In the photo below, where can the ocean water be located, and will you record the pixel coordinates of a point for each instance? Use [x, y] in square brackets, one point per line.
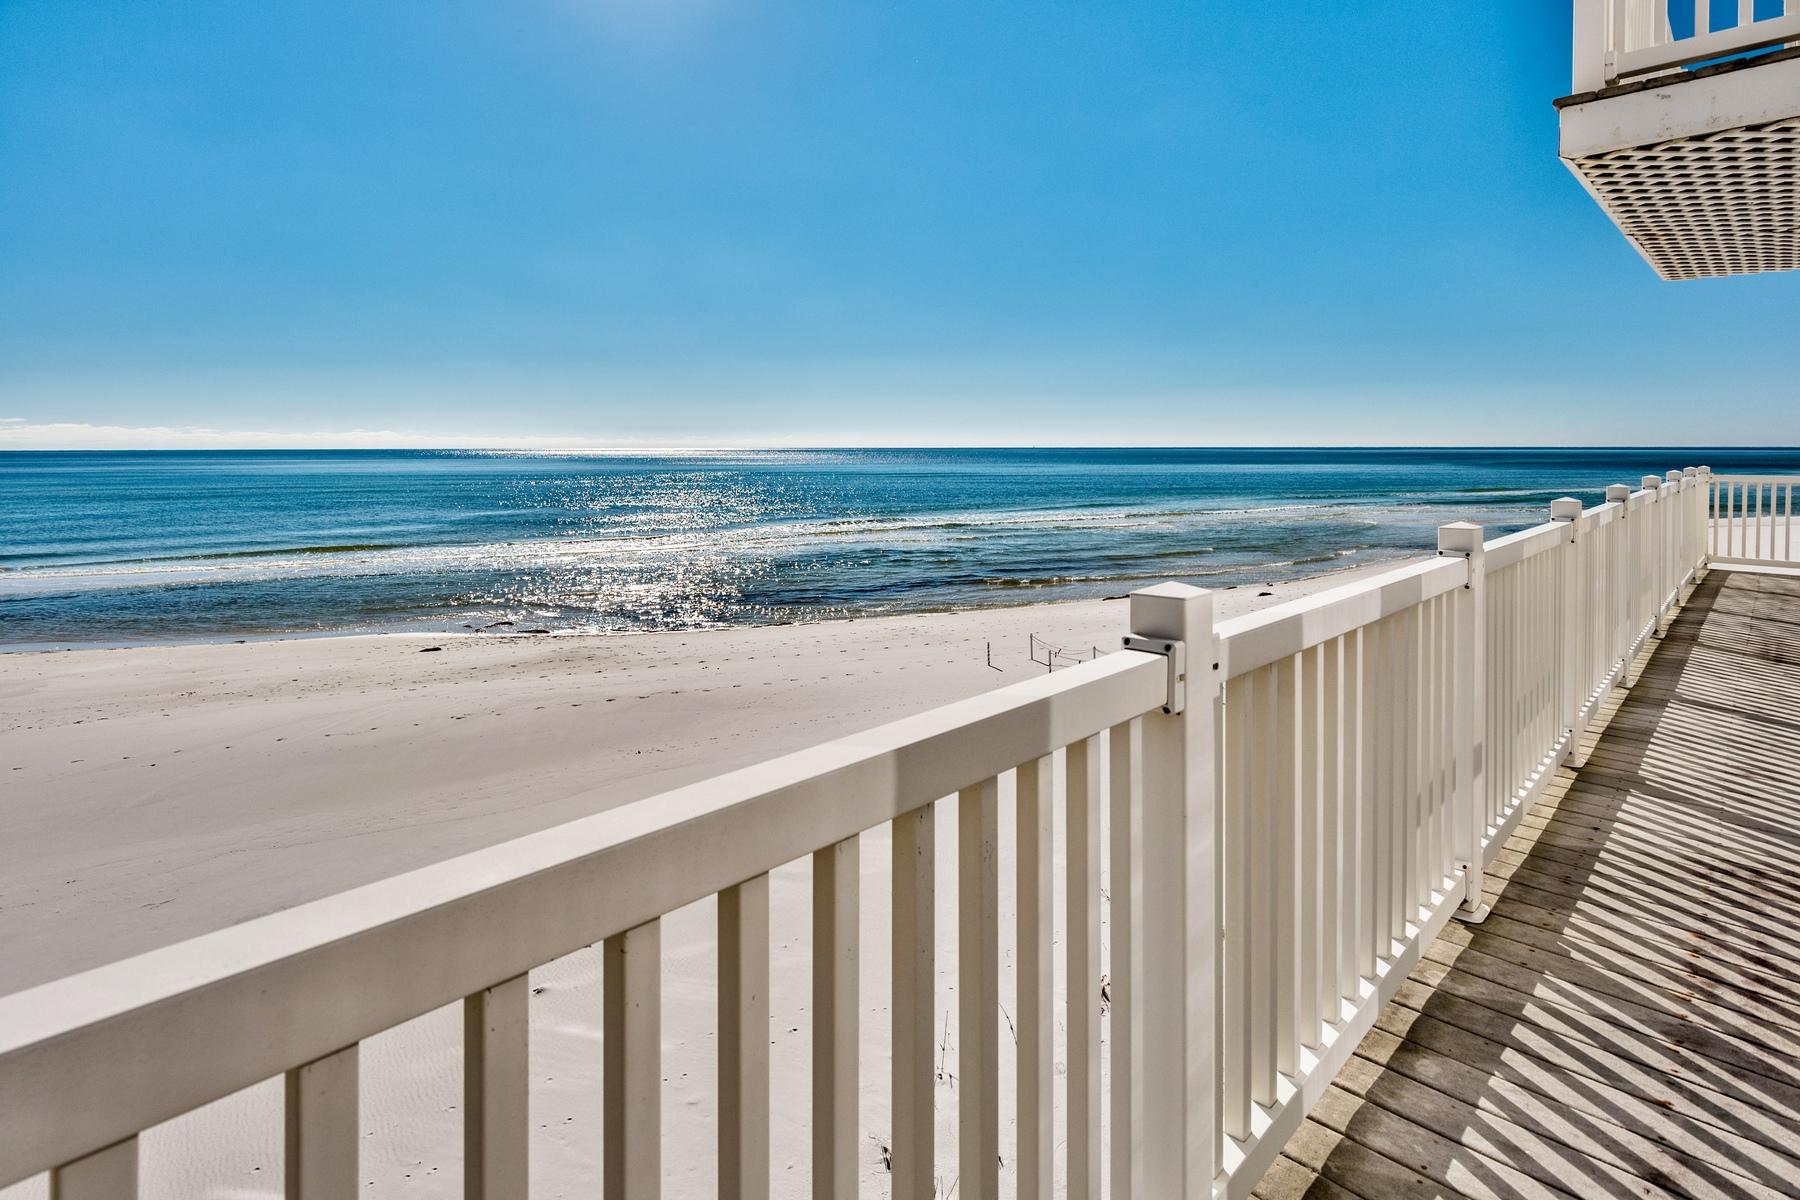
[124, 547]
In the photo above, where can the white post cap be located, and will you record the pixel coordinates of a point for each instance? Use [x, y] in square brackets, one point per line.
[1618, 493]
[1461, 537]
[1565, 508]
[1650, 482]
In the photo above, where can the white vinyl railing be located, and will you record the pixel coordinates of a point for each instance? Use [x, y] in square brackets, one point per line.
[1294, 802]
[1618, 40]
[1752, 520]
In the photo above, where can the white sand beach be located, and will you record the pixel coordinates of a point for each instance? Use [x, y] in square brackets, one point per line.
[156, 793]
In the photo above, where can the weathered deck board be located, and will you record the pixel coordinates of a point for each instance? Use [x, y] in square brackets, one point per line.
[1627, 1022]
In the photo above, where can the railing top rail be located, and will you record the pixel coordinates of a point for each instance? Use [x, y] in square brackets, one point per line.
[1503, 552]
[128, 1045]
[1719, 43]
[1784, 480]
[1260, 638]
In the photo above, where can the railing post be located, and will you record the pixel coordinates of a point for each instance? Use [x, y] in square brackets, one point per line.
[1655, 550]
[1705, 515]
[1593, 48]
[1693, 526]
[1468, 713]
[1181, 884]
[1574, 639]
[1626, 583]
[1675, 537]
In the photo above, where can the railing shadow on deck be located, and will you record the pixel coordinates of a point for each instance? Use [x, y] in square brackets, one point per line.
[1629, 1013]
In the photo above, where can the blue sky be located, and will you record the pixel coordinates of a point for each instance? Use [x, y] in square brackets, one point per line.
[701, 222]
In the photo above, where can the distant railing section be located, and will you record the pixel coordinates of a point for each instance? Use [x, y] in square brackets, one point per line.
[1752, 520]
[1619, 40]
[1293, 803]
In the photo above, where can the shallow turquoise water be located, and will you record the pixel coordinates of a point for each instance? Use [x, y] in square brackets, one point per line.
[120, 547]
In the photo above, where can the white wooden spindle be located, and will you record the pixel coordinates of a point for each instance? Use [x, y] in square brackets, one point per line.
[1368, 838]
[1354, 922]
[978, 966]
[109, 1174]
[1399, 720]
[1379, 661]
[1337, 905]
[1309, 700]
[744, 1040]
[1568, 510]
[915, 983]
[1033, 800]
[1240, 869]
[496, 1077]
[1265, 946]
[1284, 881]
[1756, 523]
[1083, 796]
[1125, 915]
[631, 1064]
[321, 1119]
[837, 876]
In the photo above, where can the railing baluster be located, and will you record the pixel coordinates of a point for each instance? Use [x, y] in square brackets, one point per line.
[1359, 787]
[1756, 518]
[1308, 843]
[1399, 801]
[915, 989]
[1264, 946]
[1788, 528]
[1741, 508]
[321, 1128]
[1332, 833]
[978, 950]
[1126, 930]
[1284, 794]
[109, 1174]
[1379, 662]
[837, 875]
[1429, 712]
[744, 1040]
[1240, 870]
[631, 1064]
[1083, 797]
[1033, 798]
[496, 1077]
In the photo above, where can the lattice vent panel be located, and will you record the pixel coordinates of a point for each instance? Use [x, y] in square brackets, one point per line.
[1723, 204]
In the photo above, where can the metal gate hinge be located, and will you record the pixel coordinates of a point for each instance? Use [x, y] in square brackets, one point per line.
[1176, 654]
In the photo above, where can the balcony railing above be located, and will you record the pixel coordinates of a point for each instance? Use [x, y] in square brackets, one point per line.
[1617, 41]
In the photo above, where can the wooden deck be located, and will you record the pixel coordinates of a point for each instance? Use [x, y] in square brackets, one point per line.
[1627, 1022]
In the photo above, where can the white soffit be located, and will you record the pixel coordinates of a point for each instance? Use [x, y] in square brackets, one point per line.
[1703, 175]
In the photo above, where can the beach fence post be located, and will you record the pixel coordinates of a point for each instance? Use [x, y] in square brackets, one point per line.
[1468, 711]
[1172, 991]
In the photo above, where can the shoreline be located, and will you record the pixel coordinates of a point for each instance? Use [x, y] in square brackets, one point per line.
[463, 629]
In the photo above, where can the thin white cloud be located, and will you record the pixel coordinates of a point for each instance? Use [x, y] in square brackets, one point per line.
[16, 433]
